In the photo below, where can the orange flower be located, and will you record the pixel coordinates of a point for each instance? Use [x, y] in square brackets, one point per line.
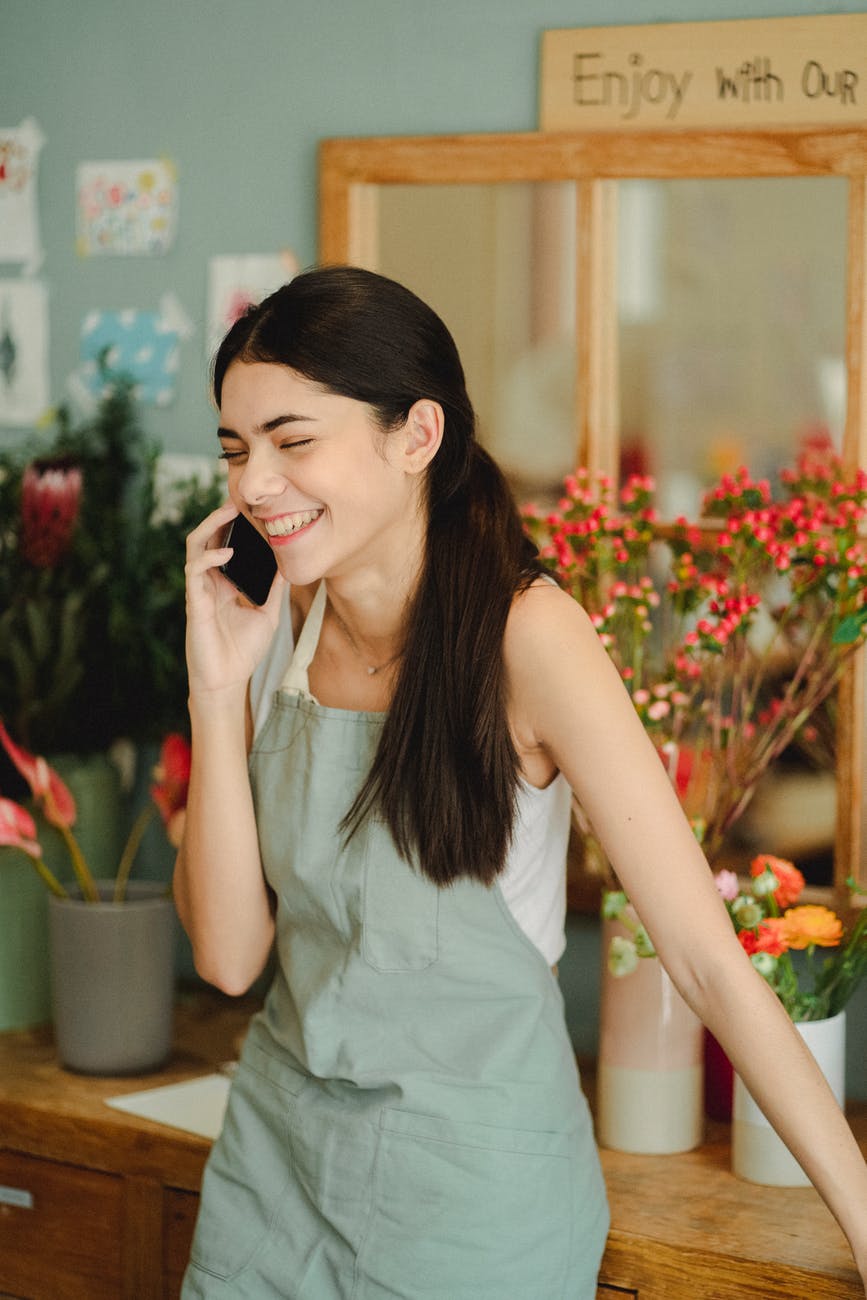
[808, 925]
[770, 938]
[791, 884]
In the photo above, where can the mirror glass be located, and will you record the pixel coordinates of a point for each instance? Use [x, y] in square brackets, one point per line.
[732, 337]
[732, 327]
[497, 263]
[731, 309]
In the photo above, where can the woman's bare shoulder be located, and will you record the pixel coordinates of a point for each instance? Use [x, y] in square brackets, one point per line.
[540, 618]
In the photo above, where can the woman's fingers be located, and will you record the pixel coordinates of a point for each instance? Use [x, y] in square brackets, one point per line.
[209, 533]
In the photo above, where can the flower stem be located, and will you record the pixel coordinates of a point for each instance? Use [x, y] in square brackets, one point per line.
[48, 877]
[130, 850]
[85, 880]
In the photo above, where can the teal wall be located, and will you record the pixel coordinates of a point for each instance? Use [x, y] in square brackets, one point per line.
[238, 96]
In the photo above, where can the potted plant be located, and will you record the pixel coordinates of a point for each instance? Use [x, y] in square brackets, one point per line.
[91, 637]
[112, 942]
[814, 965]
[91, 581]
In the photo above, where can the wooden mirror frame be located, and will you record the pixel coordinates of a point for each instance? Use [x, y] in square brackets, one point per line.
[350, 170]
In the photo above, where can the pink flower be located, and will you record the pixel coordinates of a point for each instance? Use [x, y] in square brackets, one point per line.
[50, 500]
[727, 885]
[18, 829]
[45, 785]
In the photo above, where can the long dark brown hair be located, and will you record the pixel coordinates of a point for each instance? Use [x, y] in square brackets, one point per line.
[445, 773]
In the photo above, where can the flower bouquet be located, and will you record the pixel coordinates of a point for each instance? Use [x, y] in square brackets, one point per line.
[783, 938]
[814, 966]
[729, 635]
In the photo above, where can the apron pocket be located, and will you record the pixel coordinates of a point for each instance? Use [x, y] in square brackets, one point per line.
[400, 910]
[469, 1211]
[246, 1176]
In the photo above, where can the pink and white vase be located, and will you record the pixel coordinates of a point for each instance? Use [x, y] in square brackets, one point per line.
[758, 1155]
[650, 1070]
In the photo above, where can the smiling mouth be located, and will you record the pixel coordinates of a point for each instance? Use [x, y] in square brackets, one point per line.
[286, 525]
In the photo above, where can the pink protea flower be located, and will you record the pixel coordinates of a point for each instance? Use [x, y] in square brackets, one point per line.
[50, 501]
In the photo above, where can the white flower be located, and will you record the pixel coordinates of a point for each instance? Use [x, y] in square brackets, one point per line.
[613, 903]
[764, 963]
[765, 884]
[747, 911]
[622, 956]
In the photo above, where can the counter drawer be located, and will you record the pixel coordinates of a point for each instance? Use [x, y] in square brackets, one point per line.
[60, 1230]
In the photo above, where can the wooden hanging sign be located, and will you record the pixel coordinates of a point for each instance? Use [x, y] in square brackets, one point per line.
[757, 73]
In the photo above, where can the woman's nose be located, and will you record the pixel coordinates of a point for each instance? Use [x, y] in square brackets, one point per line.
[260, 479]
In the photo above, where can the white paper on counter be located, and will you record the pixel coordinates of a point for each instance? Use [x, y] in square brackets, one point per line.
[197, 1105]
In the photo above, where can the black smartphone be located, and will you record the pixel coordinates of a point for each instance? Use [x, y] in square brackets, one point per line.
[252, 566]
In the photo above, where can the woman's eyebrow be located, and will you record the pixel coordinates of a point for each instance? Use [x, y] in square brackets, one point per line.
[270, 425]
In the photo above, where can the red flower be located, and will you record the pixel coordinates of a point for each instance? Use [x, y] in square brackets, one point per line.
[50, 499]
[58, 804]
[791, 884]
[770, 937]
[172, 780]
[18, 829]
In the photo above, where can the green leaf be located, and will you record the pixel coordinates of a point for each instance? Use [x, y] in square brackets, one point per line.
[849, 630]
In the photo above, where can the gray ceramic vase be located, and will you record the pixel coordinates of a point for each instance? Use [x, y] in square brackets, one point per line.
[113, 979]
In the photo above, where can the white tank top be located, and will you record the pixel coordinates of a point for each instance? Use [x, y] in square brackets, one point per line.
[533, 881]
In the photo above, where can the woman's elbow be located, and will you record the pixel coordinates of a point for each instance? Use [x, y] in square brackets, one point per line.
[234, 977]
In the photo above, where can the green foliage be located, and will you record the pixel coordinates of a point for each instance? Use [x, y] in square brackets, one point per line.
[91, 647]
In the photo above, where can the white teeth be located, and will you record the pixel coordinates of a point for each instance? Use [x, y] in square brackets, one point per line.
[287, 524]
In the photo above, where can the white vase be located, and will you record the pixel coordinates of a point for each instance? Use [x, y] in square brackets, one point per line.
[649, 1078]
[758, 1155]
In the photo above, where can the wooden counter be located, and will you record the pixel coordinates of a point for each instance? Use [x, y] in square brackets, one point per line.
[114, 1196]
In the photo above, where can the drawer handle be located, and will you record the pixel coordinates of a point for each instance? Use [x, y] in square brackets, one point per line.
[16, 1196]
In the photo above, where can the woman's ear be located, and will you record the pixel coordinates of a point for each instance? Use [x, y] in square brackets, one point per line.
[421, 434]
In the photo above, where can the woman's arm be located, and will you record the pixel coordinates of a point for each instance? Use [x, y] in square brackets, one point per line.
[219, 888]
[567, 695]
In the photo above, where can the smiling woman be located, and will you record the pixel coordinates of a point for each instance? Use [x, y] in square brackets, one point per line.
[383, 759]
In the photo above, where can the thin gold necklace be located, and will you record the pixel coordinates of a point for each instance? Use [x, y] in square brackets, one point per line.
[370, 669]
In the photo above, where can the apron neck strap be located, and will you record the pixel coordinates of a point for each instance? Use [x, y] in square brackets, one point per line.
[295, 680]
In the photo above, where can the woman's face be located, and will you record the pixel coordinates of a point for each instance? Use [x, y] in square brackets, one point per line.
[314, 473]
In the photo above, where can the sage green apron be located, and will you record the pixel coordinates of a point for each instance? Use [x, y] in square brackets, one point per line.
[406, 1121]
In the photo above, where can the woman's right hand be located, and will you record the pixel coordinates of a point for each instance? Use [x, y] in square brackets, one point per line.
[226, 635]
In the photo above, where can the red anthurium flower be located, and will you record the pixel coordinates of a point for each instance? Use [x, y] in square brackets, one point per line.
[50, 500]
[46, 786]
[18, 829]
[172, 777]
